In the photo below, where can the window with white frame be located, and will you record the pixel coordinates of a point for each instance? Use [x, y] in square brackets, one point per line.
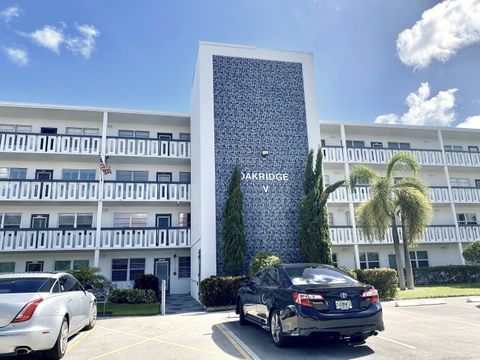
[65, 265]
[130, 219]
[127, 269]
[134, 134]
[75, 220]
[13, 173]
[334, 260]
[82, 131]
[355, 143]
[34, 266]
[459, 182]
[78, 174]
[10, 220]
[398, 145]
[16, 128]
[419, 259]
[467, 218]
[184, 266]
[130, 175]
[369, 260]
[453, 147]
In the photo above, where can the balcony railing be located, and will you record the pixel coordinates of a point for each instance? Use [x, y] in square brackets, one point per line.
[148, 147]
[462, 158]
[27, 239]
[49, 143]
[438, 194]
[63, 190]
[343, 235]
[469, 232]
[466, 194]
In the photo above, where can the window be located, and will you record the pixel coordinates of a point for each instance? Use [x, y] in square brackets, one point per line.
[185, 177]
[127, 269]
[323, 142]
[164, 176]
[16, 128]
[270, 278]
[477, 183]
[164, 136]
[369, 260]
[459, 182]
[330, 219]
[334, 260]
[69, 283]
[82, 131]
[75, 220]
[419, 259]
[398, 145]
[467, 219]
[376, 145]
[355, 143]
[184, 220]
[13, 173]
[10, 220]
[34, 266]
[308, 275]
[129, 175]
[453, 148]
[78, 174]
[473, 148]
[184, 264]
[258, 277]
[132, 133]
[7, 267]
[80, 264]
[184, 136]
[130, 220]
[65, 265]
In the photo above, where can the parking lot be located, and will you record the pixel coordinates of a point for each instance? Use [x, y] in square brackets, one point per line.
[450, 331]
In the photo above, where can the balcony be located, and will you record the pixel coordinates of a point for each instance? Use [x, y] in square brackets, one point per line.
[343, 235]
[148, 147]
[49, 143]
[63, 190]
[469, 232]
[462, 158]
[27, 239]
[470, 195]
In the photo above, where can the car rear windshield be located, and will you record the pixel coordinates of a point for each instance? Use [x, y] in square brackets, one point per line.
[318, 276]
[25, 285]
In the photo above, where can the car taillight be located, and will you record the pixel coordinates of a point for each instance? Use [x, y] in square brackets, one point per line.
[372, 294]
[27, 312]
[306, 299]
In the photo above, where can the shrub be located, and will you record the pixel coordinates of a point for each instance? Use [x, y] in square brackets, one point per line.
[450, 274]
[262, 260]
[132, 296]
[384, 280]
[471, 252]
[349, 272]
[220, 290]
[90, 275]
[147, 282]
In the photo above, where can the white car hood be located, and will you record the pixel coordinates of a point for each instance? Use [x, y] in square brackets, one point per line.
[11, 304]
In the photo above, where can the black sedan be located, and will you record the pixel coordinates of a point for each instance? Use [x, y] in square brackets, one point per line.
[309, 299]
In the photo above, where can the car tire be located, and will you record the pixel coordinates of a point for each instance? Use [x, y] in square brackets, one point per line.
[241, 314]
[276, 332]
[60, 348]
[92, 318]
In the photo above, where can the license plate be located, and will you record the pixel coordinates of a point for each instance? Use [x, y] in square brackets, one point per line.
[343, 304]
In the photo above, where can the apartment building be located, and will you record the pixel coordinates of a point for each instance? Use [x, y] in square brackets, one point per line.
[136, 192]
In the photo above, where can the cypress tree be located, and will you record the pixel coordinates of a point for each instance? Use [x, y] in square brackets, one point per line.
[234, 245]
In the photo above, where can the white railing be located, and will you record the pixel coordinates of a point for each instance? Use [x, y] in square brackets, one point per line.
[381, 156]
[49, 143]
[362, 193]
[333, 154]
[139, 238]
[439, 194]
[343, 235]
[466, 195]
[148, 147]
[463, 158]
[59, 190]
[81, 239]
[469, 232]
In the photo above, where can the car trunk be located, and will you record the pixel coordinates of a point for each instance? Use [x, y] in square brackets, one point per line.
[11, 304]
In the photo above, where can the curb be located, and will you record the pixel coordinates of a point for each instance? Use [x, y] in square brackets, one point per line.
[473, 299]
[425, 302]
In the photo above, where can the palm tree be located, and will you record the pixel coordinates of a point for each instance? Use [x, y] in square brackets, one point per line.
[407, 198]
[90, 275]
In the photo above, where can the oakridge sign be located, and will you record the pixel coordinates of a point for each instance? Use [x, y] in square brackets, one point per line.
[264, 176]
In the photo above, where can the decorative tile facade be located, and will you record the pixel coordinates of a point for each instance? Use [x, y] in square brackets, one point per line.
[259, 104]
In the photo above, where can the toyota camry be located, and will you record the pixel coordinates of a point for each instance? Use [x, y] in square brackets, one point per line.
[309, 299]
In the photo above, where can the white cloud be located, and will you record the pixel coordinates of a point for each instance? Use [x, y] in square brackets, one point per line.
[441, 32]
[10, 13]
[472, 122]
[16, 55]
[425, 110]
[84, 44]
[49, 37]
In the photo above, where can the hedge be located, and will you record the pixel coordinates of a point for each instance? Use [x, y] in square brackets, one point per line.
[261, 260]
[384, 280]
[450, 274]
[132, 296]
[147, 282]
[220, 290]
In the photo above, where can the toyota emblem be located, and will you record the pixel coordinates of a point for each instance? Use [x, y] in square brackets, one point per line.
[343, 295]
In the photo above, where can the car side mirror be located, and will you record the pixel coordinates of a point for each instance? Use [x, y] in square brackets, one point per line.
[88, 287]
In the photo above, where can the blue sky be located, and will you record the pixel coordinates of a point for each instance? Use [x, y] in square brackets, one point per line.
[397, 61]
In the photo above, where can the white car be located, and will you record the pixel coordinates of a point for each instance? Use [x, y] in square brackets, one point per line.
[40, 311]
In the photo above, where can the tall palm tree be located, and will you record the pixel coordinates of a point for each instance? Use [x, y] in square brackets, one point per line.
[407, 198]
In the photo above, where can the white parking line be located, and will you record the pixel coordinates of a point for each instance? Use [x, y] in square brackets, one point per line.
[249, 351]
[396, 342]
[441, 318]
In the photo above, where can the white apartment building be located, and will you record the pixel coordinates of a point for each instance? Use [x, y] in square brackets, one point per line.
[159, 211]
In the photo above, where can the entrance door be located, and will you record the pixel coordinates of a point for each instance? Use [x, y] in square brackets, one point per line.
[39, 222]
[164, 145]
[44, 188]
[162, 271]
[163, 223]
[48, 130]
[47, 143]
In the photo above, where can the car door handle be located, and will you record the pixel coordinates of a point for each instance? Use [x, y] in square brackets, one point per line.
[69, 299]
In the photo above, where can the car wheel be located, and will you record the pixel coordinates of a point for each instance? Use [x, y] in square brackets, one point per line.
[276, 331]
[241, 313]
[92, 317]
[58, 351]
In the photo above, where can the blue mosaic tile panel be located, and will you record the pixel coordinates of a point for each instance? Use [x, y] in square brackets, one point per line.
[259, 104]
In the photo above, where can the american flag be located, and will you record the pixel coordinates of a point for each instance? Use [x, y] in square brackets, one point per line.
[103, 166]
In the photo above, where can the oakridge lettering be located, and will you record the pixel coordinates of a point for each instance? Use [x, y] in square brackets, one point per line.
[261, 176]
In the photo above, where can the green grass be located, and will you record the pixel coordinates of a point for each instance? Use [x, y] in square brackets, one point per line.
[129, 309]
[433, 291]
